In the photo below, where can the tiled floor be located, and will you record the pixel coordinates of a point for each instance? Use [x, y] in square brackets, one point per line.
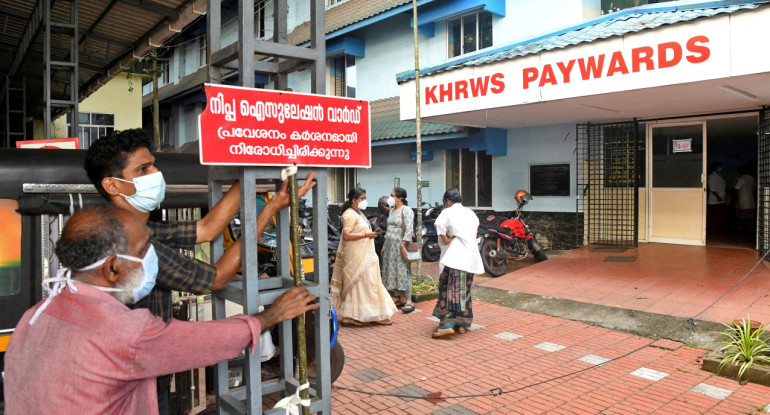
[667, 279]
[516, 351]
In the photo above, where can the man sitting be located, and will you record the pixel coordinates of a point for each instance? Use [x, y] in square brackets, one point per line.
[81, 350]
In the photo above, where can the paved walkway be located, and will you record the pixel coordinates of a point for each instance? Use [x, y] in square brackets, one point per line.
[511, 349]
[674, 280]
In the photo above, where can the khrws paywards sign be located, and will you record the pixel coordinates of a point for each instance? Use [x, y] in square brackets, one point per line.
[246, 126]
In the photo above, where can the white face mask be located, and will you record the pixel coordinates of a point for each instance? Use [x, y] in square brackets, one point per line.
[150, 191]
[362, 205]
[391, 201]
[134, 287]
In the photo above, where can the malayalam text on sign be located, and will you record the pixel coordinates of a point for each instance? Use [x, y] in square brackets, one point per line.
[246, 126]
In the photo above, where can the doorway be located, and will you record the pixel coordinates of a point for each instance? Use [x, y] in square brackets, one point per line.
[676, 188]
[732, 142]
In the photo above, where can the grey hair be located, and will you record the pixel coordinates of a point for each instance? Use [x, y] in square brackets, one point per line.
[90, 235]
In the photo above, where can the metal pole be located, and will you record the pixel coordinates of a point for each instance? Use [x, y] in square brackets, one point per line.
[155, 104]
[418, 141]
[297, 263]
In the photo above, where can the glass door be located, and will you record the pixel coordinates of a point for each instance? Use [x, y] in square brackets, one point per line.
[676, 209]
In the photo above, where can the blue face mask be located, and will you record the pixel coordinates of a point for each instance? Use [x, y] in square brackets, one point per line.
[150, 191]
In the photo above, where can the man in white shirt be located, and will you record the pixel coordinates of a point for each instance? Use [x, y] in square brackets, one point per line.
[460, 260]
[717, 199]
[746, 209]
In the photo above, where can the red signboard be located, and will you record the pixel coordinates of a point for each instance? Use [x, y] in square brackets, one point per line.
[56, 143]
[245, 126]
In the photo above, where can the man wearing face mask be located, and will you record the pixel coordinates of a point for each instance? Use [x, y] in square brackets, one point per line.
[122, 168]
[81, 350]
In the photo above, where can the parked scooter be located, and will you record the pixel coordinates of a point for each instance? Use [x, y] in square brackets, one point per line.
[430, 249]
[511, 240]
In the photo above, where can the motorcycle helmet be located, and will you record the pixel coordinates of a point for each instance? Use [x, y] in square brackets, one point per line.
[382, 205]
[522, 197]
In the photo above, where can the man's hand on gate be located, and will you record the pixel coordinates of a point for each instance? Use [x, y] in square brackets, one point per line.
[291, 304]
[281, 198]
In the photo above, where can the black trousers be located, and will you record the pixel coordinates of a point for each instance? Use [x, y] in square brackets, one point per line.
[164, 394]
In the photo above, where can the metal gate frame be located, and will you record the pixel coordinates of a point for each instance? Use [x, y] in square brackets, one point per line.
[607, 184]
[763, 150]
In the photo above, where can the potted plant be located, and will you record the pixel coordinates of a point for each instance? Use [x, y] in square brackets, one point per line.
[744, 346]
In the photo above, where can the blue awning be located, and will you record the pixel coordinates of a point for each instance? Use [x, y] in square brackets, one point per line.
[493, 141]
[427, 19]
[348, 45]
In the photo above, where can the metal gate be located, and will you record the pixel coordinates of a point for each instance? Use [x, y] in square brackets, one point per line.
[607, 184]
[763, 140]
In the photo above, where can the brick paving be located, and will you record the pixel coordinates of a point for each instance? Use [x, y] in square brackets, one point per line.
[512, 350]
[674, 280]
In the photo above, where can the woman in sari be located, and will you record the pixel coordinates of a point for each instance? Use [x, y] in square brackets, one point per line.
[356, 288]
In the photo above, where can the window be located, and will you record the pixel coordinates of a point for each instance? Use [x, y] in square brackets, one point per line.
[342, 73]
[609, 6]
[165, 73]
[471, 173]
[91, 126]
[165, 133]
[341, 181]
[259, 18]
[469, 33]
[203, 54]
[330, 3]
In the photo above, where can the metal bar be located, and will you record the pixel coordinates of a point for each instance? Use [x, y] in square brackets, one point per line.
[321, 270]
[318, 43]
[280, 36]
[89, 188]
[230, 402]
[250, 272]
[214, 37]
[218, 306]
[246, 43]
[47, 71]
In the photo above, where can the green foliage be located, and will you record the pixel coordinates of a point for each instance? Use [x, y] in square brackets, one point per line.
[744, 346]
[427, 285]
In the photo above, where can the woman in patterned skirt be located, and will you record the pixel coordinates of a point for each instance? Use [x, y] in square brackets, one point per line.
[395, 270]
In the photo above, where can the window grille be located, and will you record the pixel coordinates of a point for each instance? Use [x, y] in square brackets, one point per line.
[607, 184]
[763, 139]
[469, 33]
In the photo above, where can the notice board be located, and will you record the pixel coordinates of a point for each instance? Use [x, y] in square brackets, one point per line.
[248, 126]
[549, 179]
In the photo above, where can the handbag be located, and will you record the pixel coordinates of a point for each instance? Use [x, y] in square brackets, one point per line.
[412, 248]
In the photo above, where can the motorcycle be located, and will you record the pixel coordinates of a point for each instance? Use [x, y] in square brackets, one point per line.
[430, 249]
[510, 240]
[380, 221]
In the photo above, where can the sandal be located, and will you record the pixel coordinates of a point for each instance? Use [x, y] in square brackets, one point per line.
[385, 322]
[442, 332]
[350, 322]
[399, 303]
[460, 329]
[407, 308]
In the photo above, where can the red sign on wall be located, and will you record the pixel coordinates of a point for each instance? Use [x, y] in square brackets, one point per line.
[245, 126]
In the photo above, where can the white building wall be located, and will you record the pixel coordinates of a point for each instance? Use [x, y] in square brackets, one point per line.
[533, 145]
[396, 162]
